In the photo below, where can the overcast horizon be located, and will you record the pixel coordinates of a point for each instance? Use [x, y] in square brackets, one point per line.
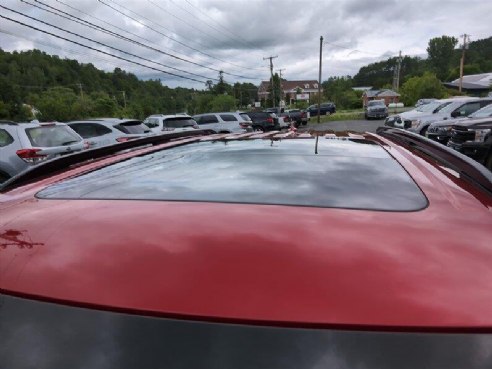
[205, 36]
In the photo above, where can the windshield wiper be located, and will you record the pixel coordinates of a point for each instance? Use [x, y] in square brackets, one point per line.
[69, 142]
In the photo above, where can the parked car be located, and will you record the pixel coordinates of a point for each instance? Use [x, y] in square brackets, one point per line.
[299, 116]
[262, 121]
[358, 251]
[405, 119]
[459, 107]
[23, 145]
[161, 123]
[224, 122]
[441, 131]
[325, 109]
[421, 102]
[376, 109]
[474, 139]
[108, 131]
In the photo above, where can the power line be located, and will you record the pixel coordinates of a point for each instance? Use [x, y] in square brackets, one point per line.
[236, 37]
[63, 48]
[157, 31]
[105, 45]
[99, 51]
[349, 48]
[102, 29]
[178, 18]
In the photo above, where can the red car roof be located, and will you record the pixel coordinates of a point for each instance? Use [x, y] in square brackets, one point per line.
[269, 264]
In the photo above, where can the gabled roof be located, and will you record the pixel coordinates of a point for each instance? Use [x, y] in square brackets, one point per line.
[381, 93]
[481, 81]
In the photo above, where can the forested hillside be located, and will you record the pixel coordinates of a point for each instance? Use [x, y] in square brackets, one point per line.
[65, 89]
[443, 60]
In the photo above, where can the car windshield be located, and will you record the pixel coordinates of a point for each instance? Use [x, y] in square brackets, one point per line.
[343, 174]
[179, 122]
[482, 113]
[132, 127]
[376, 103]
[429, 107]
[52, 135]
[450, 107]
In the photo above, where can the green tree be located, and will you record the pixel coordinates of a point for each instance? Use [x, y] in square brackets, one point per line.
[427, 86]
[222, 103]
[440, 55]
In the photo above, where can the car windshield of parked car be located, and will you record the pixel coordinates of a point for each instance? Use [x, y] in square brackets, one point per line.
[51, 136]
[482, 113]
[450, 107]
[376, 103]
[429, 107]
[132, 127]
[179, 122]
[355, 174]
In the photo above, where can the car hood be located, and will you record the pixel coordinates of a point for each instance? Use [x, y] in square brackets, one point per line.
[448, 122]
[266, 264]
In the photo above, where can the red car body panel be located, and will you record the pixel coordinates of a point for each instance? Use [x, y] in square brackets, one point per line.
[270, 264]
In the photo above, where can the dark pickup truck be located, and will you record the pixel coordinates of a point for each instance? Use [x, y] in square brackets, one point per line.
[263, 121]
[474, 139]
[298, 116]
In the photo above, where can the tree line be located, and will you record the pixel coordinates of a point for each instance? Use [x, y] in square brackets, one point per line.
[64, 89]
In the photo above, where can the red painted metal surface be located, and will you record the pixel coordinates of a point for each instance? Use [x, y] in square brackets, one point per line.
[257, 263]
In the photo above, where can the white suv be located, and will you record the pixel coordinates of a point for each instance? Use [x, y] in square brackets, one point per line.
[224, 122]
[160, 123]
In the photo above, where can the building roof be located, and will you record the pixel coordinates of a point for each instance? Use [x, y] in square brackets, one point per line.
[481, 81]
[381, 93]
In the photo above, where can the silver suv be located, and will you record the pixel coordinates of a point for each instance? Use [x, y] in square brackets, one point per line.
[224, 122]
[25, 144]
[109, 131]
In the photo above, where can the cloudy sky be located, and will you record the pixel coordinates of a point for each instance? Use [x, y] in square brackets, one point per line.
[197, 38]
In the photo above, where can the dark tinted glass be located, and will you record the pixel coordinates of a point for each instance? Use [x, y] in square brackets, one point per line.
[228, 118]
[48, 336]
[51, 136]
[179, 122]
[345, 174]
[88, 130]
[5, 138]
[132, 127]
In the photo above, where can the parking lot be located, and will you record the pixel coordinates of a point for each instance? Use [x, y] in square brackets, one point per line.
[346, 125]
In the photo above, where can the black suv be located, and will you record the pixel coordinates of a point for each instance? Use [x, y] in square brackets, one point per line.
[263, 121]
[324, 109]
[474, 139]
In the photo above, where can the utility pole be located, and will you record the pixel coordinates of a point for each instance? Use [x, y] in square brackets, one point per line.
[81, 91]
[319, 79]
[281, 89]
[466, 39]
[397, 72]
[271, 74]
[124, 98]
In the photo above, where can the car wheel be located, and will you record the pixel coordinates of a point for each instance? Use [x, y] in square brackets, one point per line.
[423, 131]
[258, 129]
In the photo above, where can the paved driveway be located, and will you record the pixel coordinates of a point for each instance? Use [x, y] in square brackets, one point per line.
[346, 125]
